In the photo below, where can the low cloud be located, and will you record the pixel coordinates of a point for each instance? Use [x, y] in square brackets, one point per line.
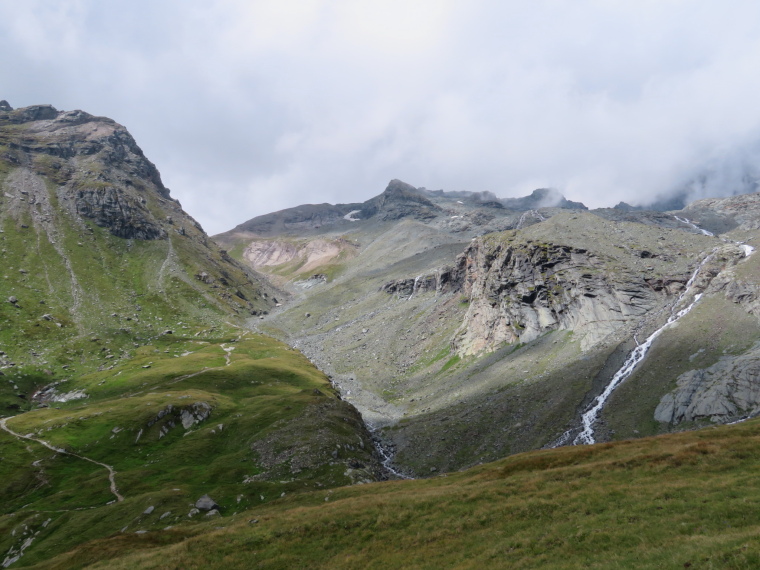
[248, 107]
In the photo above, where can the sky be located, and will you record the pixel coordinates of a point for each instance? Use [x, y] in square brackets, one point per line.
[252, 106]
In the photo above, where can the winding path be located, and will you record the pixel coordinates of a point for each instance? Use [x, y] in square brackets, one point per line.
[111, 471]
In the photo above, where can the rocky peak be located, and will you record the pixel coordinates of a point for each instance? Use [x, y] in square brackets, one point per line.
[400, 200]
[542, 198]
[5, 106]
[100, 172]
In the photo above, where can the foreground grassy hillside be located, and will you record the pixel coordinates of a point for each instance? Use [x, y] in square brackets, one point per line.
[686, 500]
[242, 418]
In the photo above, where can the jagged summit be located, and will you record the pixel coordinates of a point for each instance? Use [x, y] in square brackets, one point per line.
[5, 106]
[543, 198]
[464, 209]
[400, 200]
[100, 171]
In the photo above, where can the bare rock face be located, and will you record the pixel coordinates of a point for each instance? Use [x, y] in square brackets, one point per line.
[729, 389]
[519, 292]
[124, 216]
[400, 200]
[100, 171]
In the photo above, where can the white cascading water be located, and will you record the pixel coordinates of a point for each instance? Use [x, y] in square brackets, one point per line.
[385, 453]
[693, 225]
[588, 419]
[414, 287]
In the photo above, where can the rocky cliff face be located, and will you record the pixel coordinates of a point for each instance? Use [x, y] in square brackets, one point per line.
[521, 289]
[100, 171]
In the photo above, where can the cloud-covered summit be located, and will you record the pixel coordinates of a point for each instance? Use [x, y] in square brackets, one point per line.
[251, 107]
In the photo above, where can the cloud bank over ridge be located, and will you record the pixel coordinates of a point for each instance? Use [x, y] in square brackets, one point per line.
[249, 107]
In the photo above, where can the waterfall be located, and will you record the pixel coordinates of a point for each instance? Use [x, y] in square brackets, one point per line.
[589, 418]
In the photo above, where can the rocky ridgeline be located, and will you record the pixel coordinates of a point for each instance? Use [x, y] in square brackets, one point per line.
[99, 170]
[455, 211]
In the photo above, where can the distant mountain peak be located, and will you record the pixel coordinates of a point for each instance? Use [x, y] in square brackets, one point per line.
[399, 200]
[542, 198]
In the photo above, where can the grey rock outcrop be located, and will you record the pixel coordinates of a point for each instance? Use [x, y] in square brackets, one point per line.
[188, 416]
[122, 214]
[206, 503]
[442, 281]
[198, 412]
[727, 390]
[400, 200]
[518, 292]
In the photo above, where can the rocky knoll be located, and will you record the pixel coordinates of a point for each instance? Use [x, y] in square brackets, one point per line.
[724, 214]
[542, 198]
[400, 200]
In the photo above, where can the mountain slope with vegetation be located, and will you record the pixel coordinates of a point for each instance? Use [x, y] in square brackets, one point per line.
[677, 501]
[129, 388]
[149, 418]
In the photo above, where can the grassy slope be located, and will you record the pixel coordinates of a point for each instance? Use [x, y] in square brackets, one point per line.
[276, 426]
[674, 501]
[91, 285]
[273, 415]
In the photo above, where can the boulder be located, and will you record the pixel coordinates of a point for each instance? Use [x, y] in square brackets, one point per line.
[206, 503]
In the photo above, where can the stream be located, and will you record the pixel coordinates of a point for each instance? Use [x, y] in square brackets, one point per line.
[590, 417]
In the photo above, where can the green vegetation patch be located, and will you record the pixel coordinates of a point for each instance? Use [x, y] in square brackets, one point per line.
[686, 500]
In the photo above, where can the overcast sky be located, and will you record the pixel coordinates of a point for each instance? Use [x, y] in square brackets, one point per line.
[250, 106]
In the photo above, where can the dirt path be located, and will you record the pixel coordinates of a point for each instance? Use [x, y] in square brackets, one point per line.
[111, 471]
